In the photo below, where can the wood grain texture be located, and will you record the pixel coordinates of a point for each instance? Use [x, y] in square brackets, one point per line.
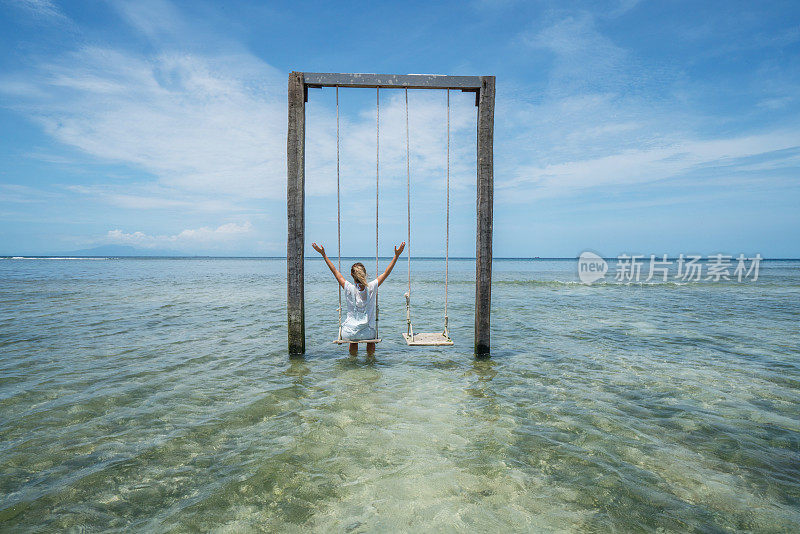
[408, 81]
[485, 201]
[295, 212]
[432, 339]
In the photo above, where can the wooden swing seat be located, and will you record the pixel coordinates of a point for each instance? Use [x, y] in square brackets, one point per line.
[347, 341]
[432, 339]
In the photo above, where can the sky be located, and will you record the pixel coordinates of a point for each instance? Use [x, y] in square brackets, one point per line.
[621, 127]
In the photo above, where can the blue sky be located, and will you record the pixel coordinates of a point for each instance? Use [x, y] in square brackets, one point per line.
[621, 127]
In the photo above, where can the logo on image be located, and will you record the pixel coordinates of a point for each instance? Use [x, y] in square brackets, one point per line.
[591, 267]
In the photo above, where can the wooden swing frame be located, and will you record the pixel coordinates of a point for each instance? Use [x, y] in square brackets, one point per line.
[299, 83]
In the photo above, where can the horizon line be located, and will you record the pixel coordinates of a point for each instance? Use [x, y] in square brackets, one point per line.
[201, 256]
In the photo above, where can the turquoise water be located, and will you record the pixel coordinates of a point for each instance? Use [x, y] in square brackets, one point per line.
[157, 395]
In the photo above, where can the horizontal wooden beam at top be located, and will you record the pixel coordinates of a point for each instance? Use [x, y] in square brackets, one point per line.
[388, 81]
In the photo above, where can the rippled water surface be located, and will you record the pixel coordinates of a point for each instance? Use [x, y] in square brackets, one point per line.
[157, 395]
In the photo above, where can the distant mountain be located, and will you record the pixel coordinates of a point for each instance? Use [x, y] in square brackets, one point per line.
[120, 250]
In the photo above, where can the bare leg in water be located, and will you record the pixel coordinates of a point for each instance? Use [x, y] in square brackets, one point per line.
[371, 349]
[353, 349]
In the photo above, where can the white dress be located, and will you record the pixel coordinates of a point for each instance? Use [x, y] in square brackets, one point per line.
[360, 321]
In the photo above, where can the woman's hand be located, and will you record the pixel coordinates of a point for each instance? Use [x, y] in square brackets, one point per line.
[397, 252]
[329, 263]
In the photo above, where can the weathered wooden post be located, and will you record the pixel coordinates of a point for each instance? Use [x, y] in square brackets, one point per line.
[295, 212]
[483, 248]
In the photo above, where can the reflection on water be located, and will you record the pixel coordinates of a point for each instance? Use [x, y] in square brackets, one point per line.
[157, 395]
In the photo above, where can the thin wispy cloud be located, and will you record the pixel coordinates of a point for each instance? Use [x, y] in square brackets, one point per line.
[221, 236]
[651, 165]
[427, 120]
[214, 125]
[149, 196]
[159, 20]
[607, 120]
[583, 58]
[44, 10]
[22, 194]
[194, 123]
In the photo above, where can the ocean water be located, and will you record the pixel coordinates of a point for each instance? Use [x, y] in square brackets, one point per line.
[157, 395]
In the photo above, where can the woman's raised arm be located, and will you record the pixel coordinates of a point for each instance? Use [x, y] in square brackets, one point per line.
[397, 252]
[336, 273]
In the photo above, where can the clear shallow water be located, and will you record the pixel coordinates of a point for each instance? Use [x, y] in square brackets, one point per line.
[157, 395]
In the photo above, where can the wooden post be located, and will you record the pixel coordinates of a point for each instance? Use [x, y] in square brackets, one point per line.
[295, 212]
[483, 249]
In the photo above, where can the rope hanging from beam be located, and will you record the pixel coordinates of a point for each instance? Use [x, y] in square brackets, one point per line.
[339, 339]
[409, 329]
[447, 235]
[432, 338]
[377, 177]
[338, 215]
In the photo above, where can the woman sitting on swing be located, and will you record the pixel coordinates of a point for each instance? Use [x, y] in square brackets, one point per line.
[360, 297]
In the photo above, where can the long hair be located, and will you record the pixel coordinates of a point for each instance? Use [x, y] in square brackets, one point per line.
[359, 273]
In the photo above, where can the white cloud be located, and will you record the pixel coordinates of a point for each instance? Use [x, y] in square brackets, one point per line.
[584, 60]
[201, 124]
[157, 19]
[592, 106]
[605, 120]
[652, 164]
[152, 196]
[215, 126]
[226, 234]
[427, 137]
[22, 194]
